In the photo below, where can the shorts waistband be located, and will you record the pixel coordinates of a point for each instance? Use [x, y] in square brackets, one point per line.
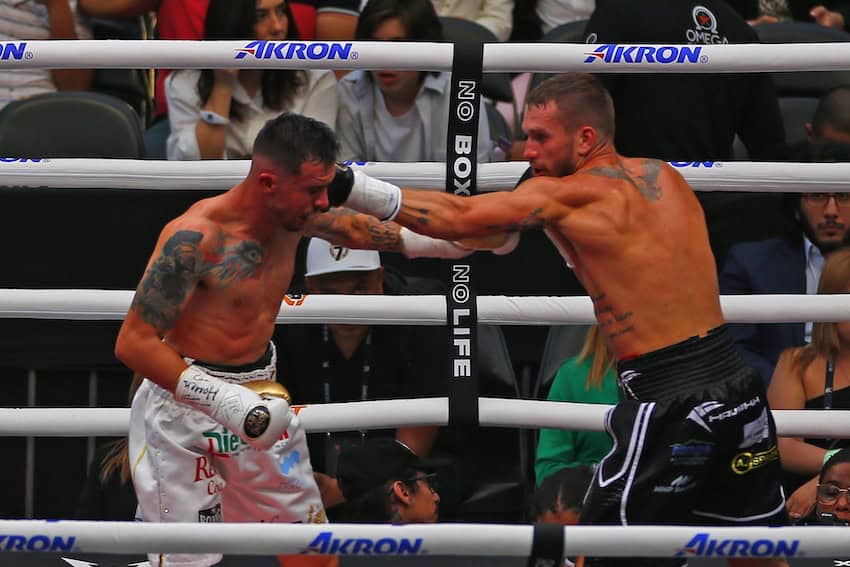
[694, 363]
[264, 368]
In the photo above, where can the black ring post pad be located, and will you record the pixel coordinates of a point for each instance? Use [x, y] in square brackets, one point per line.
[547, 546]
[463, 389]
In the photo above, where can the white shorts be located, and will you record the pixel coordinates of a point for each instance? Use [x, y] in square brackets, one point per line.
[188, 468]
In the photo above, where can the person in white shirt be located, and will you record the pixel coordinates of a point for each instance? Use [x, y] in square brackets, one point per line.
[553, 13]
[216, 114]
[495, 15]
[39, 20]
[399, 116]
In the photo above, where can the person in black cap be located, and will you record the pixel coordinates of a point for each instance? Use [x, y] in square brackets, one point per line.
[382, 480]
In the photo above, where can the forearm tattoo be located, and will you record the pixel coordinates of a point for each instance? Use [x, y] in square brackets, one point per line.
[422, 217]
[181, 264]
[384, 236]
[355, 230]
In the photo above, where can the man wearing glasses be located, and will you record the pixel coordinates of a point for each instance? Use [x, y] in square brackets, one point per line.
[383, 481]
[818, 223]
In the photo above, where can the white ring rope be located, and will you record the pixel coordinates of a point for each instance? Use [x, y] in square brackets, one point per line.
[101, 304]
[417, 539]
[498, 57]
[390, 414]
[223, 174]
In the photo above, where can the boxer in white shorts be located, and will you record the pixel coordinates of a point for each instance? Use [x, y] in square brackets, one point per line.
[189, 468]
[211, 291]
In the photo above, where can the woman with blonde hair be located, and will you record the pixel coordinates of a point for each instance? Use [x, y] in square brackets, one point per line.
[586, 378]
[814, 376]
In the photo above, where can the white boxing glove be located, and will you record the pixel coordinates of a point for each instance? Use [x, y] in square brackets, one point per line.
[364, 194]
[259, 421]
[415, 245]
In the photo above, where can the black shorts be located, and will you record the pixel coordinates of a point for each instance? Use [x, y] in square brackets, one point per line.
[695, 444]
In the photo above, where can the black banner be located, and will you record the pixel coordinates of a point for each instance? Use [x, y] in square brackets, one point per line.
[461, 175]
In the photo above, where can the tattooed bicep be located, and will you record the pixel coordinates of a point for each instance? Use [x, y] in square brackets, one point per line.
[533, 220]
[168, 280]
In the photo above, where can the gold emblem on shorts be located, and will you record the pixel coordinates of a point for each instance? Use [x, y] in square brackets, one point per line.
[269, 389]
[742, 463]
[316, 515]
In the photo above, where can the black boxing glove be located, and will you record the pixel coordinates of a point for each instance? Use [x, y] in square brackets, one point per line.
[340, 188]
[364, 194]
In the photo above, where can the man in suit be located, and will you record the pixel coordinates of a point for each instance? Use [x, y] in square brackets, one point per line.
[818, 224]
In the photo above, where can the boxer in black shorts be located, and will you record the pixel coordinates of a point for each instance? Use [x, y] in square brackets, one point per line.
[694, 443]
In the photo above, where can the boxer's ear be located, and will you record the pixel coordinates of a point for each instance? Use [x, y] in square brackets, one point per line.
[267, 180]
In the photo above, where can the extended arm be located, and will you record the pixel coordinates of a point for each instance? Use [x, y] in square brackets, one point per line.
[351, 229]
[356, 230]
[440, 215]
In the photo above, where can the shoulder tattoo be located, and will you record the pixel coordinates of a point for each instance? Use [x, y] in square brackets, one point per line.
[646, 182]
[181, 264]
[166, 283]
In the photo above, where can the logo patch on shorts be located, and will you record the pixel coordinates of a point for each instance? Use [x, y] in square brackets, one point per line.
[690, 452]
[681, 483]
[742, 463]
[210, 515]
[735, 411]
[755, 431]
[699, 412]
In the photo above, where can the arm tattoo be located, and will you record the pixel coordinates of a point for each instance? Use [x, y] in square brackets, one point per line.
[423, 219]
[385, 236]
[355, 230]
[166, 283]
[532, 221]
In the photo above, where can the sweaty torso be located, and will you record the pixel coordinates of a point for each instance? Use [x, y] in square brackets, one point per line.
[642, 253]
[230, 316]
